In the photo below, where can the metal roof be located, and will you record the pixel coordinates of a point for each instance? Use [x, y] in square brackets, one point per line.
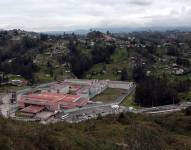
[32, 109]
[46, 98]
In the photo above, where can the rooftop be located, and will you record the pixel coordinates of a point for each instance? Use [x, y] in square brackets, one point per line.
[32, 109]
[52, 97]
[46, 96]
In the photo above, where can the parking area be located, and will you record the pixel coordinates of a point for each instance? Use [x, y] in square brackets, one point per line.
[89, 113]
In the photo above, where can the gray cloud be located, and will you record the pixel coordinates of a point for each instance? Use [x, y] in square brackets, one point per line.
[43, 15]
[141, 2]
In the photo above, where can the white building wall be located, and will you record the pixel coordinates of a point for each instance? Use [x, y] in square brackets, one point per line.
[65, 90]
[84, 95]
[120, 85]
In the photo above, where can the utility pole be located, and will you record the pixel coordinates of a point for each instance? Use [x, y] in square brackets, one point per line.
[173, 100]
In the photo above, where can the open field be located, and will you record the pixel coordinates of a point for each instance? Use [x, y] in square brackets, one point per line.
[128, 101]
[109, 95]
[11, 88]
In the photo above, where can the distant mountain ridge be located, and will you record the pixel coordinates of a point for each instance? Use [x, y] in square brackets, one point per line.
[121, 30]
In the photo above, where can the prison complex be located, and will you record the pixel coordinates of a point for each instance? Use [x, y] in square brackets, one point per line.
[70, 93]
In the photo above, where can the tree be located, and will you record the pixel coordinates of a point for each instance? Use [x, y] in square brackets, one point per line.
[154, 91]
[72, 47]
[108, 33]
[124, 74]
[138, 73]
[104, 67]
[81, 62]
[183, 86]
[140, 136]
[101, 53]
[172, 51]
[187, 111]
[24, 66]
[29, 42]
[151, 49]
[43, 37]
[50, 69]
[183, 62]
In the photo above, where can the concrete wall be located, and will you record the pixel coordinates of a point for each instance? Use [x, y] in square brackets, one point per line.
[79, 81]
[54, 107]
[120, 85]
[65, 90]
[1, 98]
[84, 95]
[62, 90]
[5, 98]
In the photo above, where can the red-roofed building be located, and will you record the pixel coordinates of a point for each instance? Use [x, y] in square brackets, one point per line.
[32, 109]
[31, 103]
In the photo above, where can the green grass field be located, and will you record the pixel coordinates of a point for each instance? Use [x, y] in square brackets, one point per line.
[186, 96]
[129, 101]
[108, 95]
[11, 88]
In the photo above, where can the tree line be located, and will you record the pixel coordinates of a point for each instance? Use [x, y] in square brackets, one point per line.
[81, 62]
[156, 91]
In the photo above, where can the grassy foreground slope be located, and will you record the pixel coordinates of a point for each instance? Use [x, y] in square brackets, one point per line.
[126, 131]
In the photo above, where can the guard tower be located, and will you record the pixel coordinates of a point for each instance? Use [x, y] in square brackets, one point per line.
[13, 97]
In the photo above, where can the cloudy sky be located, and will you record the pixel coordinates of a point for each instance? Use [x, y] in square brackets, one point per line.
[57, 15]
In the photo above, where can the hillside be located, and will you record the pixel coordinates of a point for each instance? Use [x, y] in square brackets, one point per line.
[140, 55]
[126, 131]
[159, 63]
[33, 56]
[41, 58]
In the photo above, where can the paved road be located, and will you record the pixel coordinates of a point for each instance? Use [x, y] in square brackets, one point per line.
[90, 113]
[162, 109]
